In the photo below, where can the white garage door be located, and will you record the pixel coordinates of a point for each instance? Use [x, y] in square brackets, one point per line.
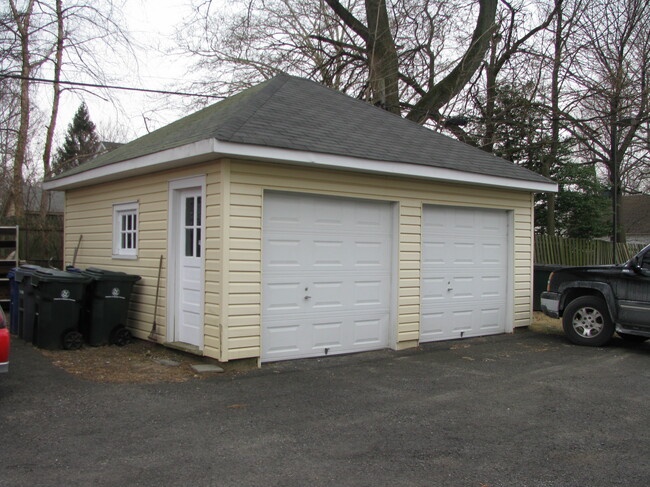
[464, 272]
[326, 279]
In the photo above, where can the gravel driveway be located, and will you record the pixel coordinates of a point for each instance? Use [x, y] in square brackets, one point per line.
[526, 409]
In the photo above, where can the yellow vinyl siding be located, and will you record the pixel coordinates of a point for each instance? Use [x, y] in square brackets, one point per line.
[249, 180]
[233, 241]
[89, 212]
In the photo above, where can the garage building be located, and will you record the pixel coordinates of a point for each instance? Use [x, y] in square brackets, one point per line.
[295, 221]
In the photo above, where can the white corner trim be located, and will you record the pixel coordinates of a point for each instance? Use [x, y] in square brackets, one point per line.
[209, 149]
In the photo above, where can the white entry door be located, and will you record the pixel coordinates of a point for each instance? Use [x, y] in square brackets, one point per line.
[326, 279]
[465, 272]
[188, 313]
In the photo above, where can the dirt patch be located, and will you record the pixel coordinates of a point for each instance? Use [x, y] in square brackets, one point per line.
[139, 362]
[544, 324]
[143, 362]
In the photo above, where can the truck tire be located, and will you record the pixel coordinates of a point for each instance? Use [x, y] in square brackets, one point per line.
[586, 321]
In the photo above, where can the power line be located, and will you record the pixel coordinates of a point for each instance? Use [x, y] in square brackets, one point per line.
[111, 87]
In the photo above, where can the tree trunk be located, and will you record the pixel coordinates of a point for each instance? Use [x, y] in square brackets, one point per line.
[382, 58]
[491, 96]
[555, 121]
[384, 66]
[23, 25]
[47, 152]
[443, 91]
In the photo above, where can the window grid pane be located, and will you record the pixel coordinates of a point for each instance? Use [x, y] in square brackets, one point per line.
[127, 231]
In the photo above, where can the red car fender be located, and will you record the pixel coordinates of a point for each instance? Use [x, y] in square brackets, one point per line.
[4, 345]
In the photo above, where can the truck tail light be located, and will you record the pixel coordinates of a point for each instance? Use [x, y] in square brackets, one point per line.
[548, 284]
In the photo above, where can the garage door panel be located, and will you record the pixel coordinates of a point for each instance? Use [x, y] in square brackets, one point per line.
[465, 272]
[368, 332]
[433, 289]
[283, 253]
[490, 320]
[432, 326]
[492, 287]
[312, 336]
[328, 253]
[369, 254]
[327, 295]
[326, 335]
[463, 288]
[461, 322]
[283, 339]
[433, 253]
[283, 296]
[492, 254]
[491, 223]
[328, 276]
[369, 292]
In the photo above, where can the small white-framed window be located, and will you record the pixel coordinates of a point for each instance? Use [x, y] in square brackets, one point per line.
[125, 230]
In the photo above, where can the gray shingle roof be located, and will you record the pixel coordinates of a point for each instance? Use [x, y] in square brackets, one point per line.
[294, 113]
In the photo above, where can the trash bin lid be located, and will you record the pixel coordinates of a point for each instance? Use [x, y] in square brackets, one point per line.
[106, 275]
[24, 271]
[55, 275]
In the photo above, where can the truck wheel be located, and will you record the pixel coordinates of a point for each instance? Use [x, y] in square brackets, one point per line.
[586, 321]
[632, 338]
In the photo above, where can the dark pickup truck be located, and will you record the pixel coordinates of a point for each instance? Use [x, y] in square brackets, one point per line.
[596, 301]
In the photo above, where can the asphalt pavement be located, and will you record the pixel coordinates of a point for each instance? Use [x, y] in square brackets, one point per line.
[517, 410]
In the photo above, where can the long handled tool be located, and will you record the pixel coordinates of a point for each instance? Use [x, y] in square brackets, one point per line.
[152, 335]
[76, 250]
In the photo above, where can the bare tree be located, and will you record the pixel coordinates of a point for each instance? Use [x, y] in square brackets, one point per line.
[79, 30]
[24, 30]
[70, 36]
[609, 93]
[56, 92]
[395, 55]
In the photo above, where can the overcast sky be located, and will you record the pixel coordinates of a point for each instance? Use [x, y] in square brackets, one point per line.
[152, 24]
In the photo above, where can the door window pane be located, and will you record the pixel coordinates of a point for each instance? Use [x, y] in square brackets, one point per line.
[189, 242]
[189, 211]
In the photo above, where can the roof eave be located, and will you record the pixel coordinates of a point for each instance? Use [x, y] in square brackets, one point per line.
[210, 149]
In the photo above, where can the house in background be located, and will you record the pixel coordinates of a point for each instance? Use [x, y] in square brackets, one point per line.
[106, 146]
[32, 196]
[635, 216]
[295, 221]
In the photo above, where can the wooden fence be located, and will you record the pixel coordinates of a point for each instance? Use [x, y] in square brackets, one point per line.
[578, 251]
[40, 239]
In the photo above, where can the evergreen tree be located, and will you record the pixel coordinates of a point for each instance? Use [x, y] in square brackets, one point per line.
[581, 210]
[80, 145]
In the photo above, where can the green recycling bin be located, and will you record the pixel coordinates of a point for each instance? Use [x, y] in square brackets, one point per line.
[59, 297]
[109, 295]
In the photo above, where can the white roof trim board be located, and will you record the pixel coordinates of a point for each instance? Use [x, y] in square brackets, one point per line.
[210, 149]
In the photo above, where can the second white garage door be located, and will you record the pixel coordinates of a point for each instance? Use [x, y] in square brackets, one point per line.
[326, 275]
[464, 272]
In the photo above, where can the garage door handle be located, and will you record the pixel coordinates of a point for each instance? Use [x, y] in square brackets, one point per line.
[307, 297]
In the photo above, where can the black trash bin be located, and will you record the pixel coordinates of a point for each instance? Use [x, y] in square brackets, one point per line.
[14, 293]
[26, 314]
[109, 295]
[59, 296]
